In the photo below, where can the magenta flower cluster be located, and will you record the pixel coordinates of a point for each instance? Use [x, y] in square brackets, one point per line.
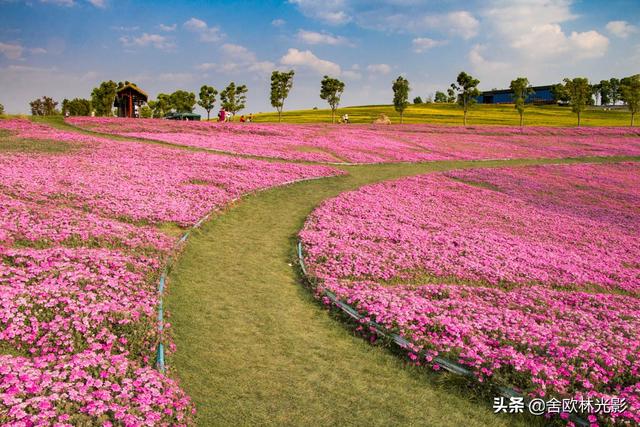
[529, 276]
[80, 255]
[375, 144]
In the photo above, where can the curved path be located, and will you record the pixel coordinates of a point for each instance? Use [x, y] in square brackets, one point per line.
[255, 348]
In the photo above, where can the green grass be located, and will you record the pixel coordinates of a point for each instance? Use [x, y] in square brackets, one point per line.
[255, 348]
[451, 114]
[27, 145]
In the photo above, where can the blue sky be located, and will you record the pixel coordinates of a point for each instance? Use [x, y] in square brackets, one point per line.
[64, 48]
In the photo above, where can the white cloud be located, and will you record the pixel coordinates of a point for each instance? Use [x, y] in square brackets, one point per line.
[332, 12]
[307, 59]
[155, 40]
[383, 69]
[352, 74]
[237, 58]
[11, 50]
[422, 44]
[37, 51]
[207, 34]
[98, 3]
[278, 22]
[459, 23]
[621, 29]
[533, 31]
[168, 28]
[312, 37]
[478, 61]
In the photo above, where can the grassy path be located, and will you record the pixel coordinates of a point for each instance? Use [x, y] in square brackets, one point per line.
[254, 348]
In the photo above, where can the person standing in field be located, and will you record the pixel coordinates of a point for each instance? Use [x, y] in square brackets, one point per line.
[222, 115]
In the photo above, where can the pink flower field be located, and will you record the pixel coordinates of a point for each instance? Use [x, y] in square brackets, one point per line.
[528, 276]
[376, 144]
[81, 250]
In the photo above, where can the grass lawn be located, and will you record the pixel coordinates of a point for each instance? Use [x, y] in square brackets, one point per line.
[255, 348]
[451, 114]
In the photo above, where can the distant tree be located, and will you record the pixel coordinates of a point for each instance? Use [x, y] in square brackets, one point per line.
[1, 109]
[146, 112]
[604, 88]
[76, 107]
[400, 95]
[161, 106]
[630, 94]
[441, 97]
[44, 106]
[559, 93]
[281, 84]
[451, 95]
[207, 98]
[182, 101]
[331, 90]
[429, 99]
[521, 91]
[417, 100]
[579, 91]
[233, 98]
[102, 98]
[467, 90]
[615, 93]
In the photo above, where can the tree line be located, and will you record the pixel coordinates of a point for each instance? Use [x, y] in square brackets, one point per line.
[577, 92]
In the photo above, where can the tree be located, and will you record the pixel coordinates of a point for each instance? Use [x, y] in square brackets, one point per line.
[76, 107]
[102, 98]
[559, 93]
[467, 90]
[1, 109]
[207, 98]
[182, 101]
[579, 92]
[146, 112]
[521, 90]
[331, 90]
[44, 106]
[233, 98]
[604, 89]
[281, 84]
[630, 94]
[161, 106]
[615, 90]
[400, 95]
[440, 97]
[417, 100]
[451, 95]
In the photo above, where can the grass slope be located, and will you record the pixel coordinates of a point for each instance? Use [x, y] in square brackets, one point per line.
[255, 348]
[451, 114]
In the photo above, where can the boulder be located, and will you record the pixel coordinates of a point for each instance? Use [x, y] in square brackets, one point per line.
[382, 120]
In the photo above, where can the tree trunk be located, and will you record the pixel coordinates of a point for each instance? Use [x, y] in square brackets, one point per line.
[521, 120]
[401, 112]
[208, 111]
[464, 118]
[632, 117]
[279, 116]
[578, 119]
[333, 116]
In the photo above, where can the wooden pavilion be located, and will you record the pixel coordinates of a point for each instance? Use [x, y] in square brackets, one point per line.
[129, 99]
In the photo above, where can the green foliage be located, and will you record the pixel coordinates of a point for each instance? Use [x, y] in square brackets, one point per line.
[233, 98]
[579, 92]
[604, 89]
[103, 97]
[331, 90]
[146, 112]
[182, 101]
[451, 95]
[417, 100]
[559, 93]
[207, 98]
[630, 94]
[400, 95]
[161, 106]
[440, 97]
[616, 92]
[1, 109]
[44, 106]
[281, 84]
[467, 91]
[76, 107]
[521, 91]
